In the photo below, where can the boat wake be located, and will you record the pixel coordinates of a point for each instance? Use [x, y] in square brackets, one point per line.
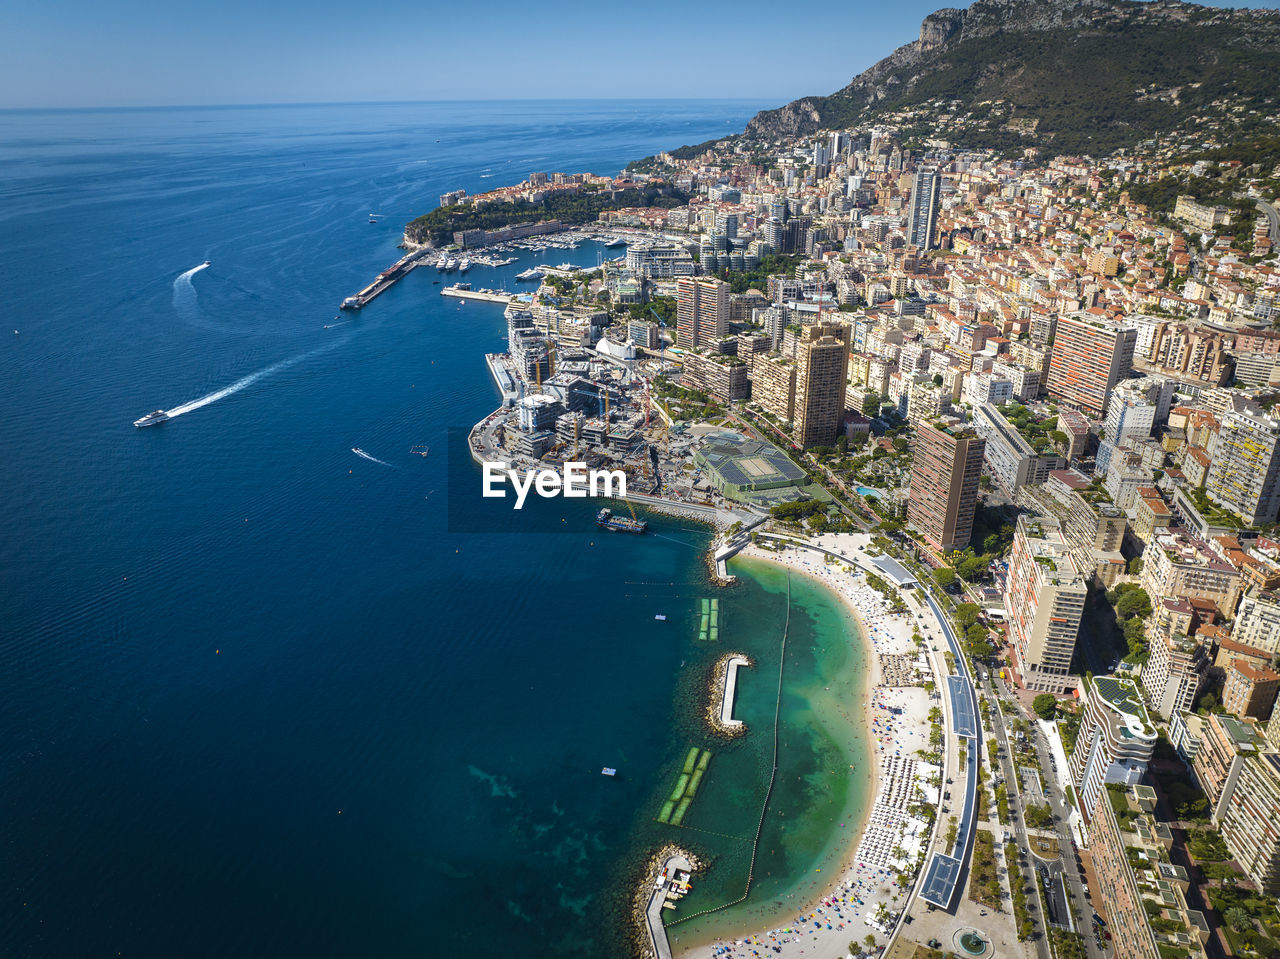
[184, 293]
[249, 380]
[372, 459]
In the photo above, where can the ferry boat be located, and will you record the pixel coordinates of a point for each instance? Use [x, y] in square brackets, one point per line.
[530, 274]
[151, 419]
[624, 524]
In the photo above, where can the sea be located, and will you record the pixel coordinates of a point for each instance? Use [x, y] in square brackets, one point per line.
[264, 695]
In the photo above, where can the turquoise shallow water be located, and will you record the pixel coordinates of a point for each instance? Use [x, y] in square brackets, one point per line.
[259, 700]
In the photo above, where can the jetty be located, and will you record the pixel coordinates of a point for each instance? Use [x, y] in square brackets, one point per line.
[385, 280]
[487, 296]
[663, 887]
[730, 689]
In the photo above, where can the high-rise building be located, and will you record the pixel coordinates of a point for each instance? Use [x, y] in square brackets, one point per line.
[822, 362]
[1090, 356]
[1143, 892]
[1044, 599]
[1115, 740]
[1245, 473]
[773, 386]
[702, 311]
[1130, 415]
[924, 208]
[944, 484]
[1250, 825]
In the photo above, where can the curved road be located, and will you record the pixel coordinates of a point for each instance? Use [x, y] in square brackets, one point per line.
[1273, 218]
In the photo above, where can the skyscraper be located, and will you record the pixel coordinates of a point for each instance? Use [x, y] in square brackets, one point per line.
[944, 484]
[1090, 356]
[702, 311]
[822, 362]
[924, 208]
[1044, 598]
[1245, 473]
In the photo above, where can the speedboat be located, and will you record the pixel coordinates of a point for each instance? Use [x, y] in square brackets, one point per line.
[151, 419]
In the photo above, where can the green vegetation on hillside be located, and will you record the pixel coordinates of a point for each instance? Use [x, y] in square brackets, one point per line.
[1130, 76]
[584, 206]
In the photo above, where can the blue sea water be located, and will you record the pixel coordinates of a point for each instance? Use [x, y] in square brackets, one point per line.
[256, 698]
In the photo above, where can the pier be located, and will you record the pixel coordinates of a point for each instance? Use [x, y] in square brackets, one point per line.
[385, 280]
[657, 931]
[487, 296]
[730, 688]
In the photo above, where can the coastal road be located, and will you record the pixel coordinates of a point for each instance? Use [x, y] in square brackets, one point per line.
[1066, 864]
[1273, 220]
[1020, 870]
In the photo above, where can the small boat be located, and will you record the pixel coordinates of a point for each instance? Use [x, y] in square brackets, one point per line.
[608, 771]
[661, 617]
[206, 263]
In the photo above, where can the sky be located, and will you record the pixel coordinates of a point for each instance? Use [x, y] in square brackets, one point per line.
[90, 53]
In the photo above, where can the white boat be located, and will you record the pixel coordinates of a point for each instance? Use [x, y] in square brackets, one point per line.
[616, 241]
[530, 274]
[464, 265]
[441, 264]
[151, 419]
[450, 264]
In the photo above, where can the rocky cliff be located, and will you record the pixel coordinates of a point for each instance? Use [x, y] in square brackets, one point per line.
[1090, 72]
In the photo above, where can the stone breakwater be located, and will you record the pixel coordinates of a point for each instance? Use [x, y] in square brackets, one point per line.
[638, 925]
[715, 698]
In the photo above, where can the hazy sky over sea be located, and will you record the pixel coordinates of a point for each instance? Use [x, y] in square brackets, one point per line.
[63, 53]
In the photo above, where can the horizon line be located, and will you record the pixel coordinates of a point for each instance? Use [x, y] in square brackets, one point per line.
[337, 103]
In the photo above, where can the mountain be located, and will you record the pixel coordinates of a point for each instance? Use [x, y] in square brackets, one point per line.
[1066, 75]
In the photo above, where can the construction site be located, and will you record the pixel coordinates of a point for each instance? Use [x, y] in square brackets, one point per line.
[565, 401]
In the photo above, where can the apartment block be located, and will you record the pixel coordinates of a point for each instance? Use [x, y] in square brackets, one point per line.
[773, 386]
[1140, 882]
[1244, 475]
[1115, 740]
[702, 311]
[1224, 744]
[1090, 356]
[822, 356]
[1044, 601]
[1012, 460]
[1250, 824]
[944, 484]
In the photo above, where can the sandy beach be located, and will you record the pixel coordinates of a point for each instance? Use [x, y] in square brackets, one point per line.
[887, 836]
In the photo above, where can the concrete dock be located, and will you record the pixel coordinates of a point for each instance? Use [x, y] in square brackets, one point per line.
[730, 688]
[657, 931]
[487, 296]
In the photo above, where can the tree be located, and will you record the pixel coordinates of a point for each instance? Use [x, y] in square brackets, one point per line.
[1135, 566]
[1238, 919]
[870, 940]
[967, 614]
[972, 567]
[945, 577]
[1045, 705]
